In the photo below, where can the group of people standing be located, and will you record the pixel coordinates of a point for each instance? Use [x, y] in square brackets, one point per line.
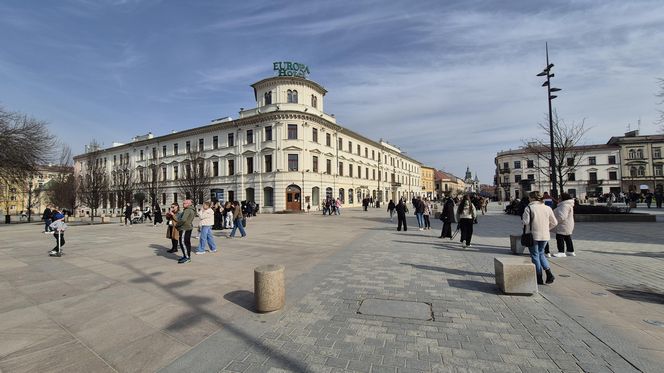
[181, 223]
[331, 206]
[423, 209]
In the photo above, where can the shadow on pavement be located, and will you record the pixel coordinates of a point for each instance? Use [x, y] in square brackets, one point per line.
[161, 250]
[452, 271]
[643, 294]
[242, 298]
[644, 254]
[480, 286]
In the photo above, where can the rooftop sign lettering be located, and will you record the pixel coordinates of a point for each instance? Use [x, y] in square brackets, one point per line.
[291, 69]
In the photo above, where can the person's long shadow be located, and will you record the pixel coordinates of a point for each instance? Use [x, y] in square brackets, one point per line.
[644, 254]
[161, 250]
[452, 271]
[198, 313]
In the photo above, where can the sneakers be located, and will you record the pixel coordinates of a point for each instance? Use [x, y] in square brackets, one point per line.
[200, 252]
[464, 246]
[571, 254]
[421, 229]
[53, 252]
[469, 245]
[213, 251]
[548, 255]
[184, 259]
[559, 255]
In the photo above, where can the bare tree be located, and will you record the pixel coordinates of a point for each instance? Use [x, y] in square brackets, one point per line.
[195, 181]
[568, 153]
[25, 143]
[123, 182]
[61, 190]
[92, 184]
[150, 182]
[660, 94]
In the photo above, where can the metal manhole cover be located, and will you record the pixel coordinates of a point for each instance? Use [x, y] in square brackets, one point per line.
[655, 322]
[396, 308]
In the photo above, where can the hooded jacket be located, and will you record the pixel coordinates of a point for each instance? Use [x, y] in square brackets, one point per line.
[564, 213]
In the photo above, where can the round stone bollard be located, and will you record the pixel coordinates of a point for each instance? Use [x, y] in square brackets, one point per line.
[269, 288]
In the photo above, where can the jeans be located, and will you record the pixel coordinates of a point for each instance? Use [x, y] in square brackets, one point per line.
[420, 219]
[562, 240]
[238, 225]
[538, 258]
[427, 222]
[206, 236]
[47, 223]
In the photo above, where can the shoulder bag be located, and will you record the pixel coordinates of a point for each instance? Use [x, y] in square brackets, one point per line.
[527, 238]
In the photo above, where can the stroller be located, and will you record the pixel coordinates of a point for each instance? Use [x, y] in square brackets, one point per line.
[137, 217]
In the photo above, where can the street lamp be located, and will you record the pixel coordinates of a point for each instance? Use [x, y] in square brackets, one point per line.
[552, 162]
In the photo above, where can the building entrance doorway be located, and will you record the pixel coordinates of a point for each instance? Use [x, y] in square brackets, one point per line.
[293, 198]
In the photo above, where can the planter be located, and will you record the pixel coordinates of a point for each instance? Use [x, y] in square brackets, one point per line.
[609, 218]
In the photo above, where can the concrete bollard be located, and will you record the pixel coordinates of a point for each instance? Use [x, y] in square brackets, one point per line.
[269, 287]
[515, 275]
[515, 244]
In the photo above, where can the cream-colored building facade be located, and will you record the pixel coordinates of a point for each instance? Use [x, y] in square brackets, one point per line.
[284, 154]
[428, 182]
[15, 198]
[642, 162]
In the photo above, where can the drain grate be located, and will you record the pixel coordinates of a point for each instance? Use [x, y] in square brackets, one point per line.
[396, 308]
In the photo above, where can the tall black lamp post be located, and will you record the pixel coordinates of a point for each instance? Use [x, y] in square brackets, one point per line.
[552, 162]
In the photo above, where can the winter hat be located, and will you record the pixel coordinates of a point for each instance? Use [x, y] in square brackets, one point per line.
[58, 216]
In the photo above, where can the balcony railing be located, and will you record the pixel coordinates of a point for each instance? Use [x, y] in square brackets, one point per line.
[505, 170]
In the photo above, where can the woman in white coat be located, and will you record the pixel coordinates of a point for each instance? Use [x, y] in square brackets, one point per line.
[539, 220]
[564, 213]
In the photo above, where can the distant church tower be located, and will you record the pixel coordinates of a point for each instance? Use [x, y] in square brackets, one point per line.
[472, 185]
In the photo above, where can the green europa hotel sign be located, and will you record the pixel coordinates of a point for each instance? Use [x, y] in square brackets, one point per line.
[291, 69]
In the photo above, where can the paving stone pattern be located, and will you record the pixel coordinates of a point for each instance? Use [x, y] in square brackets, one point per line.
[475, 329]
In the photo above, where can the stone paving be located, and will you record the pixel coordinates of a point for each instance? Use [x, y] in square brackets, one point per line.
[117, 303]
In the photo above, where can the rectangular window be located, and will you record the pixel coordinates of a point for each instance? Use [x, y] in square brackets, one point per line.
[215, 142]
[506, 166]
[292, 162]
[350, 146]
[592, 176]
[163, 151]
[175, 149]
[163, 173]
[613, 175]
[373, 154]
[366, 152]
[341, 169]
[592, 161]
[175, 172]
[268, 133]
[517, 178]
[359, 149]
[612, 159]
[366, 173]
[314, 134]
[314, 163]
[175, 197]
[658, 170]
[341, 143]
[163, 199]
[570, 161]
[154, 153]
[359, 172]
[328, 166]
[657, 153]
[292, 131]
[141, 155]
[531, 177]
[350, 170]
[571, 176]
[215, 168]
[373, 174]
[231, 140]
[530, 163]
[187, 147]
[268, 163]
[250, 136]
[231, 167]
[328, 139]
[517, 164]
[201, 144]
[250, 165]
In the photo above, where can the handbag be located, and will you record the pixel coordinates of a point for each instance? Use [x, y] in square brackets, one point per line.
[527, 238]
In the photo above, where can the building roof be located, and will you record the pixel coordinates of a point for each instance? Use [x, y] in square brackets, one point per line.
[636, 139]
[524, 150]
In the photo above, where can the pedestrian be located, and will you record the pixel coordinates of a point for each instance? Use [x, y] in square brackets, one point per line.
[365, 203]
[659, 196]
[390, 209]
[401, 210]
[58, 226]
[237, 220]
[648, 199]
[539, 219]
[127, 214]
[228, 215]
[158, 219]
[337, 205]
[184, 225]
[466, 215]
[147, 214]
[217, 216]
[564, 213]
[172, 217]
[447, 216]
[207, 220]
[427, 212]
[418, 205]
[46, 217]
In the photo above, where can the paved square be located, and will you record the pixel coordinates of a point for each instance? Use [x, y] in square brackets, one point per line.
[396, 308]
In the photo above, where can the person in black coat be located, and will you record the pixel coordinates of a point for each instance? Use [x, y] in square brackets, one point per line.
[390, 208]
[127, 214]
[401, 209]
[158, 218]
[447, 216]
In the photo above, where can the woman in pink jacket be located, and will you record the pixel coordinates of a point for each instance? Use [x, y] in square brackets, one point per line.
[539, 220]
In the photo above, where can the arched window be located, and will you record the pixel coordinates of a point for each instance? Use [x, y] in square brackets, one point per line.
[632, 153]
[632, 171]
[350, 196]
[292, 97]
[342, 196]
[268, 197]
[639, 153]
[642, 171]
[289, 96]
[268, 98]
[328, 192]
[314, 101]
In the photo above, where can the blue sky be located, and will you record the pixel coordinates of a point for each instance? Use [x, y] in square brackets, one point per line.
[451, 83]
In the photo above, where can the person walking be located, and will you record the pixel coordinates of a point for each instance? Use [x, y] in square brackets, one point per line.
[418, 205]
[447, 216]
[427, 212]
[171, 230]
[147, 214]
[185, 225]
[466, 215]
[337, 205]
[648, 199]
[207, 220]
[58, 227]
[127, 214]
[158, 219]
[217, 216]
[539, 219]
[46, 217]
[564, 213]
[390, 209]
[659, 196]
[401, 210]
[237, 220]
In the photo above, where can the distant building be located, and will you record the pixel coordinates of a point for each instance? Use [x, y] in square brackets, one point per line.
[472, 184]
[447, 184]
[428, 181]
[642, 163]
[17, 197]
